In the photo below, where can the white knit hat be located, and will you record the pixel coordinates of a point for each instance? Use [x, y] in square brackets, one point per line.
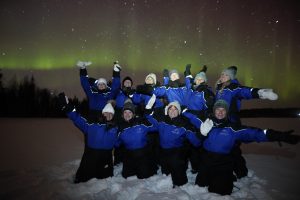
[153, 76]
[174, 103]
[108, 108]
[101, 80]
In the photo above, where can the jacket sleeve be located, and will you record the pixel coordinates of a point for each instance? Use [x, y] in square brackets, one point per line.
[84, 80]
[251, 135]
[115, 87]
[193, 119]
[79, 121]
[191, 136]
[160, 91]
[152, 120]
[243, 93]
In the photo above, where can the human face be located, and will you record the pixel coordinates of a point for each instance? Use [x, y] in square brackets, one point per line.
[174, 76]
[127, 83]
[149, 81]
[198, 81]
[173, 112]
[220, 113]
[101, 86]
[108, 116]
[127, 115]
[224, 78]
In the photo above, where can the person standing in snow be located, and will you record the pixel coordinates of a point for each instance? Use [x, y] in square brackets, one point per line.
[100, 138]
[173, 130]
[137, 159]
[229, 89]
[99, 93]
[200, 96]
[200, 100]
[141, 100]
[216, 169]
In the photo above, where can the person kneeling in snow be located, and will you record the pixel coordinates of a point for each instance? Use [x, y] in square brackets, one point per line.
[216, 170]
[137, 158]
[173, 131]
[100, 138]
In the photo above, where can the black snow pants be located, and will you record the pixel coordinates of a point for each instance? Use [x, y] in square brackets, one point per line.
[138, 162]
[174, 162]
[95, 163]
[216, 172]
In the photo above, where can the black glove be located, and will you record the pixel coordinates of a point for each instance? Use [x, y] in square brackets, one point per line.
[282, 136]
[83, 72]
[63, 104]
[144, 89]
[166, 73]
[187, 71]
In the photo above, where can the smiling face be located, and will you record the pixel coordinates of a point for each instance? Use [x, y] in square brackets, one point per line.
[127, 83]
[198, 81]
[101, 86]
[108, 116]
[149, 81]
[173, 112]
[224, 77]
[174, 76]
[127, 115]
[220, 113]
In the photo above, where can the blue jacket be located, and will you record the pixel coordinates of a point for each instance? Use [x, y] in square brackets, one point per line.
[143, 99]
[133, 134]
[200, 98]
[97, 136]
[98, 99]
[172, 132]
[222, 137]
[173, 93]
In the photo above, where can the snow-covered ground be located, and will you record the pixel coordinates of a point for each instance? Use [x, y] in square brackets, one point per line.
[40, 156]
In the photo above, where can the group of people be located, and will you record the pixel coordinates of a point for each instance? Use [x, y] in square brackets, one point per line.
[168, 126]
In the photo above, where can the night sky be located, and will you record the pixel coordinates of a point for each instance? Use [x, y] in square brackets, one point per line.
[47, 37]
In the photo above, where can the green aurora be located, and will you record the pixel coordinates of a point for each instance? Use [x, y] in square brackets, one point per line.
[261, 38]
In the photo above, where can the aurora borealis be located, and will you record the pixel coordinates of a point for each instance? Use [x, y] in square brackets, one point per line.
[260, 37]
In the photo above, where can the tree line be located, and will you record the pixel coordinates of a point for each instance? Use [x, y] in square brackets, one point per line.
[25, 99]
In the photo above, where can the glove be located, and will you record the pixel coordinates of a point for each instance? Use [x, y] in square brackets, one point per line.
[63, 103]
[144, 89]
[206, 126]
[166, 73]
[151, 102]
[117, 67]
[83, 64]
[282, 136]
[187, 71]
[267, 94]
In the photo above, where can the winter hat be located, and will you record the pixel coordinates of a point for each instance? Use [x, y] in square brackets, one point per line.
[173, 71]
[234, 69]
[127, 78]
[174, 103]
[230, 71]
[152, 76]
[108, 108]
[101, 80]
[201, 74]
[221, 104]
[128, 105]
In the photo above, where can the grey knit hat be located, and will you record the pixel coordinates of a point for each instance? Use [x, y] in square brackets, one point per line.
[221, 104]
[231, 72]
